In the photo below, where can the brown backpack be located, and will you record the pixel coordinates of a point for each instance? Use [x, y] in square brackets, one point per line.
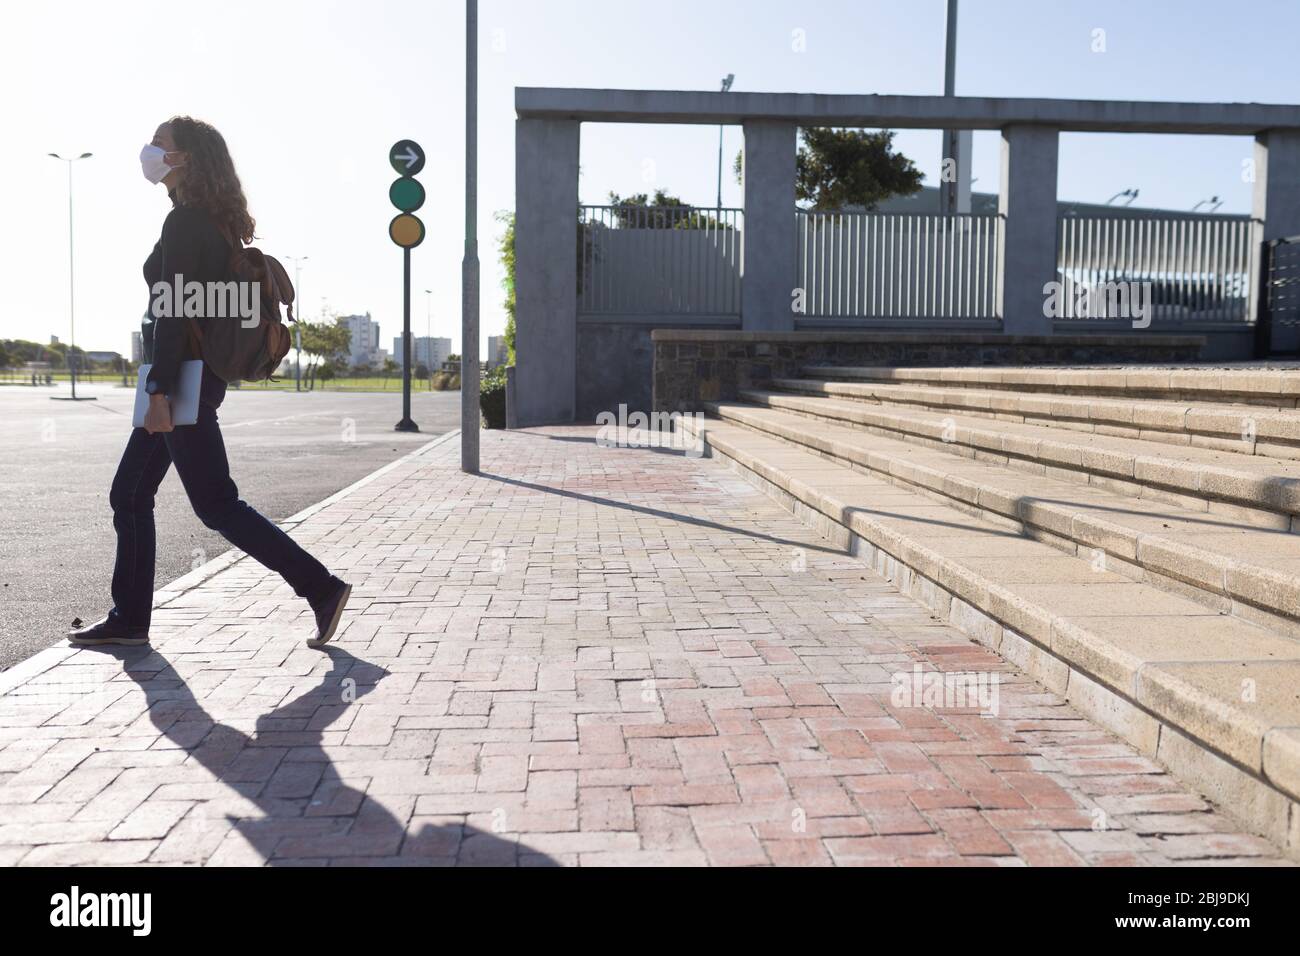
[251, 354]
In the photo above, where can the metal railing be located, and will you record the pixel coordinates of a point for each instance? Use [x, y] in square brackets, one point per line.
[1199, 267]
[673, 260]
[886, 265]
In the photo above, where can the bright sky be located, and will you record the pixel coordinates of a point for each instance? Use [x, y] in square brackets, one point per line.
[310, 95]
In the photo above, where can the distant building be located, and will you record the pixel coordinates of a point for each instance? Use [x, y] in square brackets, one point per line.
[498, 352]
[364, 348]
[426, 351]
[137, 348]
[111, 359]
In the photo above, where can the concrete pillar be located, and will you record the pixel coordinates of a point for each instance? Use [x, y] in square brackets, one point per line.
[1276, 199]
[770, 271]
[1027, 198]
[546, 270]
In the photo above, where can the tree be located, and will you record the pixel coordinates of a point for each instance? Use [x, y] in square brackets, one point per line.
[506, 252]
[837, 168]
[662, 211]
[324, 342]
[841, 168]
[390, 367]
[21, 350]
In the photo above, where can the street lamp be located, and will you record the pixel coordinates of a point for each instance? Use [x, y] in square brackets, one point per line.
[726, 88]
[297, 327]
[469, 268]
[1130, 193]
[1214, 202]
[954, 182]
[72, 316]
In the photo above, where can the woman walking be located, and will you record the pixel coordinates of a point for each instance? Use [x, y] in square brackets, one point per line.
[190, 158]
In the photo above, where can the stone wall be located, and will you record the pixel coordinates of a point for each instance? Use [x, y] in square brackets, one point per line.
[693, 366]
[615, 366]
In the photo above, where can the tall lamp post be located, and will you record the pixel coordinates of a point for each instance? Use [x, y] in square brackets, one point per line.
[72, 314]
[297, 328]
[954, 191]
[469, 384]
[726, 88]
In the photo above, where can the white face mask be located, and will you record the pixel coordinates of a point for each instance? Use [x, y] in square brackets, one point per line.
[153, 162]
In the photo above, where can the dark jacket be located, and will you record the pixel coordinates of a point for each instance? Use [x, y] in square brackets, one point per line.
[191, 246]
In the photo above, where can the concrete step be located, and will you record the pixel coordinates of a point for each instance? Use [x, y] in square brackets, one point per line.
[1213, 698]
[1243, 429]
[1278, 387]
[1254, 489]
[1249, 572]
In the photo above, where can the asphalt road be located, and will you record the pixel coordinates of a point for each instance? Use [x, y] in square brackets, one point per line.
[57, 460]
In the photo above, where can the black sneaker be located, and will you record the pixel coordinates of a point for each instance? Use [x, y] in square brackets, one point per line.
[329, 612]
[107, 632]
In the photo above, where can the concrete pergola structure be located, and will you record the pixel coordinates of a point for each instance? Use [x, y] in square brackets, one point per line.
[546, 189]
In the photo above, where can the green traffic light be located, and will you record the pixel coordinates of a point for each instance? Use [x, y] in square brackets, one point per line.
[406, 194]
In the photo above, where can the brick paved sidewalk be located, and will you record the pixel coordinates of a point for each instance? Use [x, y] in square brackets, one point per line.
[584, 656]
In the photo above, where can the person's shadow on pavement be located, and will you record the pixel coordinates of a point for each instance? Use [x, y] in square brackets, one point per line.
[306, 816]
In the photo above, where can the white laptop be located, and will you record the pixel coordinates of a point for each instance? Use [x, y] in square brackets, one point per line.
[184, 398]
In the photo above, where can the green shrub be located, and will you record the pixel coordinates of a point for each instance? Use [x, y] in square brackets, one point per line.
[441, 381]
[492, 398]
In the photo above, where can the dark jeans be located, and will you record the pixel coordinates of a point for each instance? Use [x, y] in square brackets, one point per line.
[200, 458]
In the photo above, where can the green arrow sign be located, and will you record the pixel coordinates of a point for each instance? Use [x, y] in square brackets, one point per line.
[407, 157]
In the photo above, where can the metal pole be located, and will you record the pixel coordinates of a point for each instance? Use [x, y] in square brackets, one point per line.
[948, 189]
[406, 425]
[72, 295]
[297, 358]
[72, 286]
[469, 360]
[719, 171]
[726, 88]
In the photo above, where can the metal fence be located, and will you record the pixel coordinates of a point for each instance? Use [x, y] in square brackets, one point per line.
[886, 265]
[637, 260]
[1198, 267]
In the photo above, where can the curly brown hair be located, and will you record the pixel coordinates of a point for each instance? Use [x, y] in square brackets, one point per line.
[210, 181]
